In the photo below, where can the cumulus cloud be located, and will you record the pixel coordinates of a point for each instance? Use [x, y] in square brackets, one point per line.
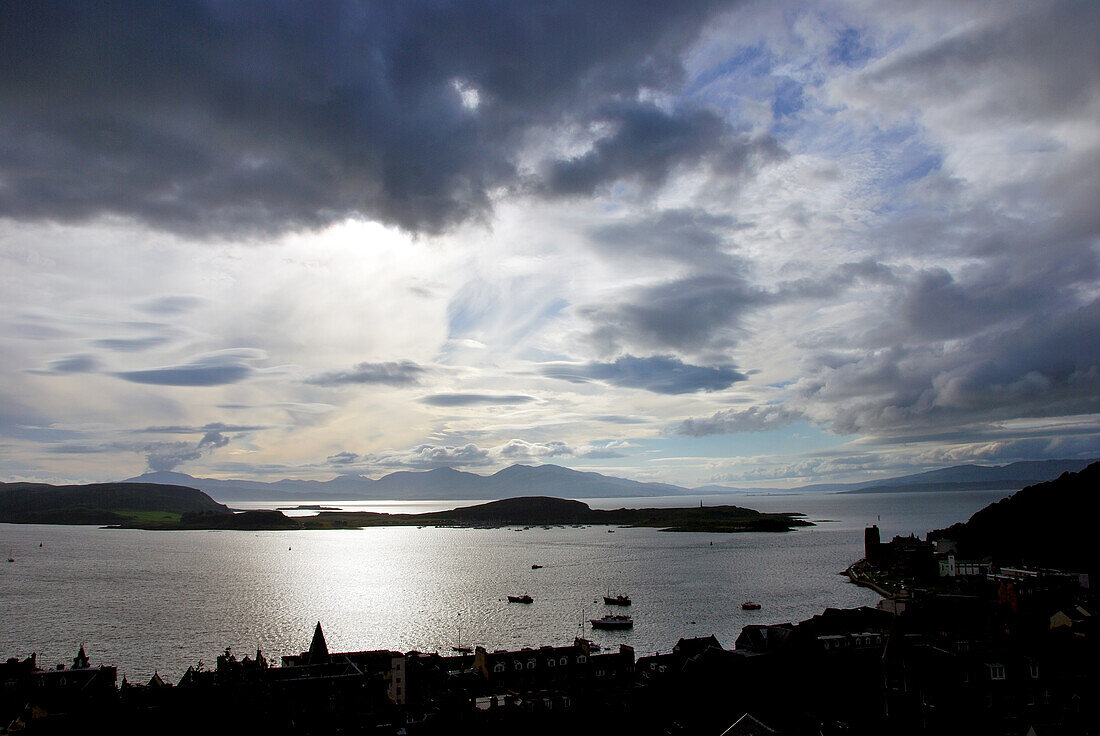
[428, 457]
[663, 374]
[267, 116]
[394, 373]
[731, 421]
[343, 458]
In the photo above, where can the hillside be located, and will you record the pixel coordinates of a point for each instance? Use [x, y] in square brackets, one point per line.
[1042, 524]
[101, 503]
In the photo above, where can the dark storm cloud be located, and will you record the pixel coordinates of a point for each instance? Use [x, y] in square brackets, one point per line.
[648, 144]
[1046, 365]
[691, 313]
[402, 373]
[731, 421]
[217, 369]
[663, 374]
[1038, 64]
[475, 399]
[261, 116]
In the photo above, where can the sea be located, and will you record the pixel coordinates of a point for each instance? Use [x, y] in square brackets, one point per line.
[161, 601]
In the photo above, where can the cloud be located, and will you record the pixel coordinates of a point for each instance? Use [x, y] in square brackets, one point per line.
[215, 369]
[692, 236]
[663, 374]
[74, 364]
[427, 457]
[475, 399]
[731, 421]
[272, 116]
[170, 304]
[165, 456]
[343, 458]
[403, 373]
[692, 313]
[648, 144]
[203, 429]
[134, 344]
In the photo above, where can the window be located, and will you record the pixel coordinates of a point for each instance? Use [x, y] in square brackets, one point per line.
[518, 666]
[581, 659]
[550, 663]
[1033, 670]
[498, 667]
[563, 661]
[996, 672]
[530, 664]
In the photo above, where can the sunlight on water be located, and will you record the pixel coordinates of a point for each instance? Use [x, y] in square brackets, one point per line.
[165, 600]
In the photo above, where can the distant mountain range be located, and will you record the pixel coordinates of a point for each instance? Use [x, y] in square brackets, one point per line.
[439, 484]
[554, 480]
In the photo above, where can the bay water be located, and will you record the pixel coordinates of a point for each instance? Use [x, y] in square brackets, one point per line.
[160, 601]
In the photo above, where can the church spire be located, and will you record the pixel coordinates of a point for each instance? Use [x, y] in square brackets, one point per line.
[318, 649]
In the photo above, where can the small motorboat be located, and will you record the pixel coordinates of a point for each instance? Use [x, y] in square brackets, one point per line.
[619, 600]
[520, 599]
[536, 567]
[750, 606]
[612, 622]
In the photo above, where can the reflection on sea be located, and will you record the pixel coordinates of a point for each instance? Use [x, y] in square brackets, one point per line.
[165, 600]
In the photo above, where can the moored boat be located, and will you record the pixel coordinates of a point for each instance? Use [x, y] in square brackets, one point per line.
[520, 599]
[750, 606]
[619, 600]
[612, 622]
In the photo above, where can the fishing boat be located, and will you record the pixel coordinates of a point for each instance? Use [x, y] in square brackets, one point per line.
[520, 599]
[612, 622]
[619, 600]
[536, 567]
[750, 606]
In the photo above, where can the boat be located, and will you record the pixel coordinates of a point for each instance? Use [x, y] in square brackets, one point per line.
[612, 622]
[750, 606]
[520, 599]
[463, 650]
[536, 567]
[619, 600]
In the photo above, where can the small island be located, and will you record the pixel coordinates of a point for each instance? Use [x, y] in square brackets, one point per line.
[155, 507]
[309, 507]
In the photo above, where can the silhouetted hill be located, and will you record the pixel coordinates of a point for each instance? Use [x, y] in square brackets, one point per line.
[101, 503]
[1044, 524]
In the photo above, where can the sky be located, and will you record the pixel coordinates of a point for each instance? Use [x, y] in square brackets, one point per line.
[759, 244]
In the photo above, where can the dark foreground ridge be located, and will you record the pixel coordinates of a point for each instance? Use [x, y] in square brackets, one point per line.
[128, 504]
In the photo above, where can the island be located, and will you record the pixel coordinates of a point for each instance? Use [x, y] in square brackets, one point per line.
[155, 507]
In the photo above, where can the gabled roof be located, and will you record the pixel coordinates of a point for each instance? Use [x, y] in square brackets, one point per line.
[747, 725]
